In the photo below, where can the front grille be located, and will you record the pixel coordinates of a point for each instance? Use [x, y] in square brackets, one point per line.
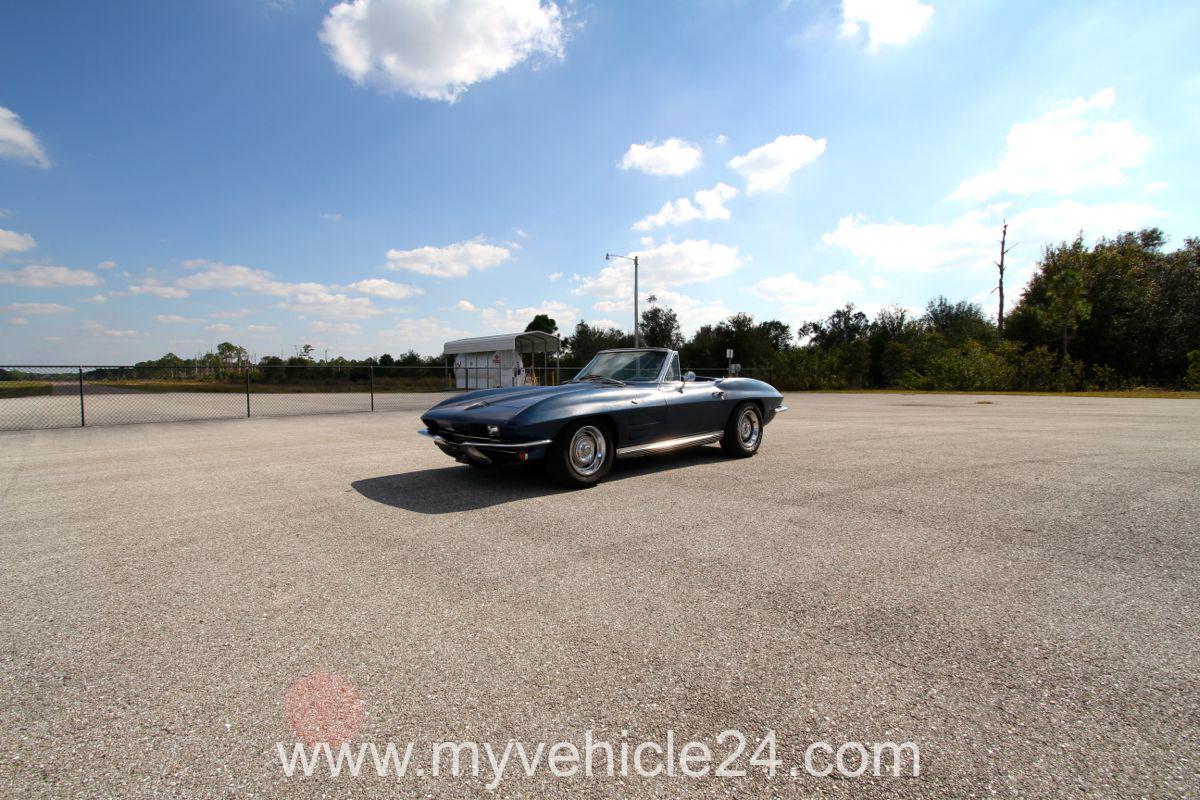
[460, 438]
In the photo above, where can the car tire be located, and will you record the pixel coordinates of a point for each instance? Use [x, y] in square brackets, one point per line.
[581, 455]
[743, 432]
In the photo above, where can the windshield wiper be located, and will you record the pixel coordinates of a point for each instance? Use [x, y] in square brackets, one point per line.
[604, 378]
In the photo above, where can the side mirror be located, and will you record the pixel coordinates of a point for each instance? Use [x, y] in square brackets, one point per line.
[689, 376]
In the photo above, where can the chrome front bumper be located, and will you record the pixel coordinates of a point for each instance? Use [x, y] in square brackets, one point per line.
[486, 452]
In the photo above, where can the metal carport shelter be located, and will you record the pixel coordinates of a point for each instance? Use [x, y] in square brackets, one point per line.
[491, 361]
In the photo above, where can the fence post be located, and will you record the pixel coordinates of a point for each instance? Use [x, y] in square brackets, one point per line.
[247, 391]
[372, 387]
[82, 414]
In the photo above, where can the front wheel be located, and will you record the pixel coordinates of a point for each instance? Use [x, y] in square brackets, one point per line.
[581, 455]
[743, 433]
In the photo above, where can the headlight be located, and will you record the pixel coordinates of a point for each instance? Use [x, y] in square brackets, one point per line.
[494, 431]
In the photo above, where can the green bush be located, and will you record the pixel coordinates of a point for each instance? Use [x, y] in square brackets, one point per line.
[1037, 370]
[971, 367]
[1192, 379]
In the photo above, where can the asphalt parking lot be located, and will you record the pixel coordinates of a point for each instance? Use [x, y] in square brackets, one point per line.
[1013, 586]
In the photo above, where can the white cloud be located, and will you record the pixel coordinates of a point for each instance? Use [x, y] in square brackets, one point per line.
[1063, 150]
[302, 298]
[339, 328]
[382, 287]
[769, 168]
[36, 308]
[235, 313]
[1067, 218]
[721, 138]
[511, 319]
[155, 288]
[435, 50]
[425, 335]
[971, 241]
[315, 299]
[554, 277]
[1154, 186]
[692, 312]
[216, 275]
[668, 264]
[96, 298]
[101, 330]
[464, 305]
[18, 321]
[18, 143]
[520, 232]
[889, 21]
[708, 204]
[262, 328]
[219, 327]
[604, 323]
[878, 282]
[48, 277]
[13, 242]
[174, 319]
[452, 261]
[106, 265]
[332, 217]
[672, 157]
[809, 299]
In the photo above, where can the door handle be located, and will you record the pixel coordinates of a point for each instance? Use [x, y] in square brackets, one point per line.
[634, 401]
[719, 395]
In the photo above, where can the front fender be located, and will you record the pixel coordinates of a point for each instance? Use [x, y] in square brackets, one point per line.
[546, 418]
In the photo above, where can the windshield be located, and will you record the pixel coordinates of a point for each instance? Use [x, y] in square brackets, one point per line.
[626, 365]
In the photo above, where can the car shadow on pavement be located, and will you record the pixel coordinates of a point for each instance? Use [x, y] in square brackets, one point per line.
[461, 488]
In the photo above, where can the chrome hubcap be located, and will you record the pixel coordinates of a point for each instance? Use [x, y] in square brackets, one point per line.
[749, 428]
[588, 450]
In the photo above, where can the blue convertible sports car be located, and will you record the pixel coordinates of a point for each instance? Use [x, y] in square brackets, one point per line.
[623, 404]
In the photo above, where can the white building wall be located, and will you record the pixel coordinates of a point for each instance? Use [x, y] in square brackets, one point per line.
[488, 370]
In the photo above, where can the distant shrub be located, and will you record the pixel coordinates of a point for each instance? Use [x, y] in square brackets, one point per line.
[1036, 371]
[1192, 378]
[971, 367]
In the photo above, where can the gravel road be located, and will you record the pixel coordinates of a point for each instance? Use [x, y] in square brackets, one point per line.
[1013, 586]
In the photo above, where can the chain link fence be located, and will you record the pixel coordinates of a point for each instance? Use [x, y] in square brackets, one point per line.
[34, 397]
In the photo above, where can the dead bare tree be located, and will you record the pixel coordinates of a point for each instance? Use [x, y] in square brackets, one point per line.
[1000, 286]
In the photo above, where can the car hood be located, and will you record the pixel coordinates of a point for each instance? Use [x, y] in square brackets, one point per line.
[502, 403]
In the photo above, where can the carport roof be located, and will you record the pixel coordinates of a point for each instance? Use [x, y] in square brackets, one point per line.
[525, 342]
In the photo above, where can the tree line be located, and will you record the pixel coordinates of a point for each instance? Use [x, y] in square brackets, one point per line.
[1122, 313]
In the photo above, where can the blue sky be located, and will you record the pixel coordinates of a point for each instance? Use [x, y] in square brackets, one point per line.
[372, 176]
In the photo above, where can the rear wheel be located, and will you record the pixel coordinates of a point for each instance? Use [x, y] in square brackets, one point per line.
[581, 455]
[743, 433]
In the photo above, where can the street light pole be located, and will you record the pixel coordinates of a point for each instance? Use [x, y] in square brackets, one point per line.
[637, 320]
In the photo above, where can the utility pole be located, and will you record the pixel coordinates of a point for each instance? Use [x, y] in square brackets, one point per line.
[1000, 287]
[637, 321]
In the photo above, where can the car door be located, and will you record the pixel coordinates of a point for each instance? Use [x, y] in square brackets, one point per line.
[693, 407]
[642, 418]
